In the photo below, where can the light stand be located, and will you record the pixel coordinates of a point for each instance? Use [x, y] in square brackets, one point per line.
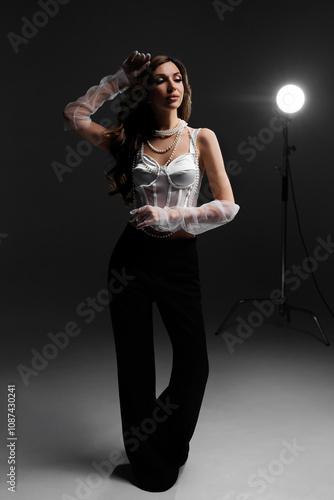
[281, 302]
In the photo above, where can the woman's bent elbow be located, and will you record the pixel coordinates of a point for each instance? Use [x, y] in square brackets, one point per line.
[67, 117]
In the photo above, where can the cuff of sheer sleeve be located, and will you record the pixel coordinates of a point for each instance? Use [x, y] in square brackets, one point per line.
[209, 216]
[122, 80]
[196, 220]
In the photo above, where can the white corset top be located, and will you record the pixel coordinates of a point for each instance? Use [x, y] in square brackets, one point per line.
[178, 184]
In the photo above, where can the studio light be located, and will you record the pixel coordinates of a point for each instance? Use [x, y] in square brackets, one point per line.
[290, 99]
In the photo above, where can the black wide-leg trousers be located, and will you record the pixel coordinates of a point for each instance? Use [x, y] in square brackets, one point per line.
[157, 429]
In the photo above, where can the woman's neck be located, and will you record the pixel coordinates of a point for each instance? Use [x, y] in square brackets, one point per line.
[167, 121]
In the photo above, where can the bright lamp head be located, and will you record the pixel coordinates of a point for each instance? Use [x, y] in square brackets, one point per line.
[290, 99]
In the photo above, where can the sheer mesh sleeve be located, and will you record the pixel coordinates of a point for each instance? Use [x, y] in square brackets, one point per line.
[194, 220]
[77, 114]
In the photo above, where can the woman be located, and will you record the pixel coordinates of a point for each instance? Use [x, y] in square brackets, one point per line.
[160, 163]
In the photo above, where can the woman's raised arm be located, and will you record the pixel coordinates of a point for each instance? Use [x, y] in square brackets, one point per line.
[77, 114]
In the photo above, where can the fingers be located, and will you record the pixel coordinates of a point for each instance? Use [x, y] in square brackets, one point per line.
[145, 220]
[147, 60]
[133, 55]
[137, 214]
[142, 58]
[139, 58]
[143, 216]
[144, 224]
[133, 216]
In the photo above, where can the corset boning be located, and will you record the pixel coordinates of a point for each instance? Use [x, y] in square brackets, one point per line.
[174, 185]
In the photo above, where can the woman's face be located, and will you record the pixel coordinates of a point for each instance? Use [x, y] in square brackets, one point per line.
[168, 89]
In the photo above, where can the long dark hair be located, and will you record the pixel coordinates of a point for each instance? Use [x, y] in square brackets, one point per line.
[136, 123]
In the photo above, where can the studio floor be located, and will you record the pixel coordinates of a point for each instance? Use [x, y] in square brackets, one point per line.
[265, 432]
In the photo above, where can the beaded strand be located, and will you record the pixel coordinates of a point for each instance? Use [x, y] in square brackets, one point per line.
[175, 143]
[170, 131]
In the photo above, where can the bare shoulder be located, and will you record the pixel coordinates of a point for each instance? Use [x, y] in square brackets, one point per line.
[206, 137]
[207, 142]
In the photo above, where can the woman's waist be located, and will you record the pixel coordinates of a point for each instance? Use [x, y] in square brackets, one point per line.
[181, 233]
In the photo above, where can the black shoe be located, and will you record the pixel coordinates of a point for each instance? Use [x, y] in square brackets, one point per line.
[184, 457]
[155, 481]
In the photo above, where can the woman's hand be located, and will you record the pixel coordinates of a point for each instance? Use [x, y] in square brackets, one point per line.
[145, 216]
[155, 216]
[135, 64]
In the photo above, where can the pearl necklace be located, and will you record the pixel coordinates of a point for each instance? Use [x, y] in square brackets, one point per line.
[175, 143]
[170, 131]
[161, 150]
[152, 170]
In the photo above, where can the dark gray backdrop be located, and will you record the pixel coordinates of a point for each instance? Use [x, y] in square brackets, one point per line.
[56, 237]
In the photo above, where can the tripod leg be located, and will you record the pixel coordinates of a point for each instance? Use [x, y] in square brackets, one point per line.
[315, 319]
[233, 308]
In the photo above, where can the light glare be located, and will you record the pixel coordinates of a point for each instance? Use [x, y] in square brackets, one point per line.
[290, 99]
